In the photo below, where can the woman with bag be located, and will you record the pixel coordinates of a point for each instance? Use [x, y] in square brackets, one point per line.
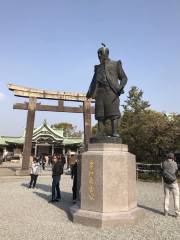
[35, 168]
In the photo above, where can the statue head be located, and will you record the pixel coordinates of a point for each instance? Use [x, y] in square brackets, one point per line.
[103, 53]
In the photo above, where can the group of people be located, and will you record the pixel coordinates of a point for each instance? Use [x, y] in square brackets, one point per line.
[58, 161]
[169, 171]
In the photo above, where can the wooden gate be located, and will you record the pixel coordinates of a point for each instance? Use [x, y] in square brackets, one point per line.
[32, 106]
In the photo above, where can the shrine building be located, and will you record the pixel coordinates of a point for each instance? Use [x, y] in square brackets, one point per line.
[46, 140]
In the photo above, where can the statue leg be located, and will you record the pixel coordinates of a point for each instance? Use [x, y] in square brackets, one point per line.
[101, 128]
[114, 125]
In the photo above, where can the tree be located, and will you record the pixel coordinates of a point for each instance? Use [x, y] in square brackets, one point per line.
[132, 123]
[94, 129]
[134, 102]
[69, 129]
[158, 135]
[149, 134]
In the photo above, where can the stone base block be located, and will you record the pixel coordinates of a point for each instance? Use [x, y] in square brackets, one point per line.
[108, 179]
[22, 172]
[101, 220]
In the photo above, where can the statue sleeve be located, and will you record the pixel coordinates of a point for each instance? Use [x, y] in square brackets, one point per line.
[121, 75]
[92, 87]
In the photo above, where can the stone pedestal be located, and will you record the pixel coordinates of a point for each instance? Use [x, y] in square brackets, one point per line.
[108, 186]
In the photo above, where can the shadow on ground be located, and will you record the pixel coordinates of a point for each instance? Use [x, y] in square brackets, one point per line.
[8, 170]
[12, 168]
[66, 197]
[45, 188]
[150, 209]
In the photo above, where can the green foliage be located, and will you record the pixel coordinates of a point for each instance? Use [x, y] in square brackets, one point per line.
[149, 134]
[69, 129]
[149, 176]
[134, 102]
[94, 129]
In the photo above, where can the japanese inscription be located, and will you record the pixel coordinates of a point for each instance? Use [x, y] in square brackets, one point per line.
[91, 184]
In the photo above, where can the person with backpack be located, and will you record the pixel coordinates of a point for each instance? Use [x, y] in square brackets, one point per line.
[169, 172]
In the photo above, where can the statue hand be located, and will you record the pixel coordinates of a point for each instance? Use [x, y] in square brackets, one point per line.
[121, 90]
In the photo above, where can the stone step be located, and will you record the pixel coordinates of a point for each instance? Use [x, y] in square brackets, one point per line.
[8, 171]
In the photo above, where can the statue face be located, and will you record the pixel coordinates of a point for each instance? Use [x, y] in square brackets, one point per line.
[103, 56]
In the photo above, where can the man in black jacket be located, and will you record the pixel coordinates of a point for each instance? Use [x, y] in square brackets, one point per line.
[74, 177]
[106, 89]
[57, 171]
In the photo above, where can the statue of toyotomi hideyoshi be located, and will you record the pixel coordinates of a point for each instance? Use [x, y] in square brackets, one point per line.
[106, 86]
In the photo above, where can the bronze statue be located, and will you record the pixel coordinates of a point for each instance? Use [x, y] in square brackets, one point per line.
[106, 89]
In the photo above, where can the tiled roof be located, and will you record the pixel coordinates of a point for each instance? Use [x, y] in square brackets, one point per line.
[57, 134]
[70, 141]
[4, 140]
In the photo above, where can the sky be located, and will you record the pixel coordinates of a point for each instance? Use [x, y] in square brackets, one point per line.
[52, 45]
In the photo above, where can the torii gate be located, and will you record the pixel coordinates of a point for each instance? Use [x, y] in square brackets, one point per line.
[32, 106]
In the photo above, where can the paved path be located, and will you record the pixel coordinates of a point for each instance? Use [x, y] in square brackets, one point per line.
[25, 214]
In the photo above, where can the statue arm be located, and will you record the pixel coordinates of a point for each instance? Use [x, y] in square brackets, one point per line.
[91, 91]
[122, 77]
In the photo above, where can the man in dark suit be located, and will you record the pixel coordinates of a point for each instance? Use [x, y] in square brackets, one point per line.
[106, 89]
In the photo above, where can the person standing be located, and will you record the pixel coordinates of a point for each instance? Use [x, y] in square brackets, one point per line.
[43, 161]
[169, 172]
[63, 159]
[68, 159]
[5, 153]
[35, 168]
[74, 177]
[57, 171]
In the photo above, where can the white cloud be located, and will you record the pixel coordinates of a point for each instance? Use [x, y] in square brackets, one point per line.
[2, 96]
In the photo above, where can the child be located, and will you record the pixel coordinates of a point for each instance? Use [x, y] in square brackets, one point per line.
[35, 168]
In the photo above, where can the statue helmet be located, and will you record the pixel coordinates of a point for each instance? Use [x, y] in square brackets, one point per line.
[103, 50]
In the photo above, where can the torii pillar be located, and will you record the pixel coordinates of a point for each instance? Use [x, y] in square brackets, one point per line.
[28, 137]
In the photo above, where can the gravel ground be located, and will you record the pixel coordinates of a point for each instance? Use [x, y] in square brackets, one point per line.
[26, 214]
